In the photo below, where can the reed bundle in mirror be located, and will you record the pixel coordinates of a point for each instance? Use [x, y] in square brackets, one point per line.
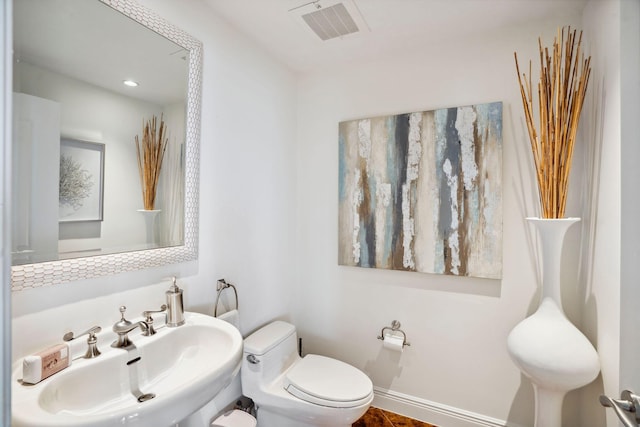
[564, 76]
[150, 154]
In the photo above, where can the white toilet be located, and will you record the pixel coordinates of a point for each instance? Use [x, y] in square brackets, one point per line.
[290, 391]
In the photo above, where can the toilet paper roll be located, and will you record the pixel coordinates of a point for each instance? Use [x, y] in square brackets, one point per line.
[393, 341]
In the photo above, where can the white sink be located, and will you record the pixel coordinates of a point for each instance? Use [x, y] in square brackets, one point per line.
[185, 367]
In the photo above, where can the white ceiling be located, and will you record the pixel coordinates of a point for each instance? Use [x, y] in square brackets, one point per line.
[91, 42]
[394, 25]
[47, 34]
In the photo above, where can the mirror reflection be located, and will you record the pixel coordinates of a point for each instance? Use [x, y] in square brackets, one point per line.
[76, 180]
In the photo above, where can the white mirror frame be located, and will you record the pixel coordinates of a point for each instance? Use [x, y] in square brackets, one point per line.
[31, 276]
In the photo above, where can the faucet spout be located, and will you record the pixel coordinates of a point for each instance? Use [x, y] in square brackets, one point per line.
[122, 331]
[123, 327]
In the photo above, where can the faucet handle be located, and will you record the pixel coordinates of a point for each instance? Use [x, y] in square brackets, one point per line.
[91, 332]
[147, 313]
[149, 319]
[92, 341]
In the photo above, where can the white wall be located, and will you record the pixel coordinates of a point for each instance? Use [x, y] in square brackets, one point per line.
[630, 158]
[602, 190]
[457, 371]
[171, 186]
[247, 199]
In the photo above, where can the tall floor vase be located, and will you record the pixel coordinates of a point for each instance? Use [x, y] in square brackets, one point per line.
[546, 346]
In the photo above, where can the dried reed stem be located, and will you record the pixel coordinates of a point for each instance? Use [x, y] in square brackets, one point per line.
[150, 154]
[564, 76]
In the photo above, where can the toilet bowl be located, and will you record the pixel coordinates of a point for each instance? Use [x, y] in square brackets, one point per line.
[290, 391]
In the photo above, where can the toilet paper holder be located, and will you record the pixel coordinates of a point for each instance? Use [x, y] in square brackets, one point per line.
[395, 327]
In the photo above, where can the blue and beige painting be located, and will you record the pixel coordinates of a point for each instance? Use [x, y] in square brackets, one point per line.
[423, 191]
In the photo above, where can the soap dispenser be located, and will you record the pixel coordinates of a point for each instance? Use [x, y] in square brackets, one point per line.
[175, 308]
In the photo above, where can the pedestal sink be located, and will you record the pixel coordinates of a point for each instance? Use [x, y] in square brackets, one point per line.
[161, 380]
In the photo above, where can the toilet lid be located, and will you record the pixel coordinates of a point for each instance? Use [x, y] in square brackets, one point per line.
[328, 382]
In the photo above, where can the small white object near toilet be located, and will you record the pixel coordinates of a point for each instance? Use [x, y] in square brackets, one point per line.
[290, 391]
[235, 418]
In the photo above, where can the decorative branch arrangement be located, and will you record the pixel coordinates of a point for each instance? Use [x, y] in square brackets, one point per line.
[564, 75]
[150, 154]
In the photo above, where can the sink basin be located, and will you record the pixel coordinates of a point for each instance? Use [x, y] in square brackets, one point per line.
[183, 368]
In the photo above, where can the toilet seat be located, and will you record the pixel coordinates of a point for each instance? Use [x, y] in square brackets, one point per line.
[328, 382]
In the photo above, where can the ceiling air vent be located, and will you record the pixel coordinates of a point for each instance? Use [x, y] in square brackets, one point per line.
[331, 22]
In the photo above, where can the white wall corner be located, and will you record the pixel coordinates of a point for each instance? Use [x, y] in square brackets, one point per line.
[604, 277]
[630, 157]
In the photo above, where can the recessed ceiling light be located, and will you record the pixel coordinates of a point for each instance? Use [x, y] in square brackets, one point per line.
[130, 83]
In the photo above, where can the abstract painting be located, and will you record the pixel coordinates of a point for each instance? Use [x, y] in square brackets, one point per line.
[423, 191]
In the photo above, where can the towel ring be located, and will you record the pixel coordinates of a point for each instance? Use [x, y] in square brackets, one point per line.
[221, 286]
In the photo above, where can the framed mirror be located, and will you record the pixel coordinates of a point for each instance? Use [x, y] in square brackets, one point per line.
[105, 43]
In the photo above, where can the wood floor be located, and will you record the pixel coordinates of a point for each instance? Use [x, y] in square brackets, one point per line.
[375, 417]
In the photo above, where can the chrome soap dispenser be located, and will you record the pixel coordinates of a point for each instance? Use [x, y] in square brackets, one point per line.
[175, 308]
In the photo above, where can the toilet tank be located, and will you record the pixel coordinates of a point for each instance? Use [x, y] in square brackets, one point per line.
[272, 348]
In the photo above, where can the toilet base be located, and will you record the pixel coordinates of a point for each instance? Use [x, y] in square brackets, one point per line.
[267, 418]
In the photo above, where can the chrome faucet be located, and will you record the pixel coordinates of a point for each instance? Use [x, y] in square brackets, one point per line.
[626, 408]
[122, 327]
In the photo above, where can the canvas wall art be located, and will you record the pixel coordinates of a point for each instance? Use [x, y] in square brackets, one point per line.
[423, 191]
[81, 191]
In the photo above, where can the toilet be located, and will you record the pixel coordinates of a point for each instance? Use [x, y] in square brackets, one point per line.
[290, 391]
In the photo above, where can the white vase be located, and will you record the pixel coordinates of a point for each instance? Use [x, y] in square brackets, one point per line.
[150, 224]
[546, 346]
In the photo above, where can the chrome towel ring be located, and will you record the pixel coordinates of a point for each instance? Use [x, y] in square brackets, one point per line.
[221, 286]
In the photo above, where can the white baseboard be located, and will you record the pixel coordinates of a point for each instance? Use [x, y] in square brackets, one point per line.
[432, 412]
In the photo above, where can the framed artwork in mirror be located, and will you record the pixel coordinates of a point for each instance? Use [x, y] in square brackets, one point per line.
[81, 194]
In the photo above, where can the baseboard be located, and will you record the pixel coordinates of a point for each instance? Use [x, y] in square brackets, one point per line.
[432, 412]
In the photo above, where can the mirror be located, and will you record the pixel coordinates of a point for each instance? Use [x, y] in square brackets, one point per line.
[80, 121]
